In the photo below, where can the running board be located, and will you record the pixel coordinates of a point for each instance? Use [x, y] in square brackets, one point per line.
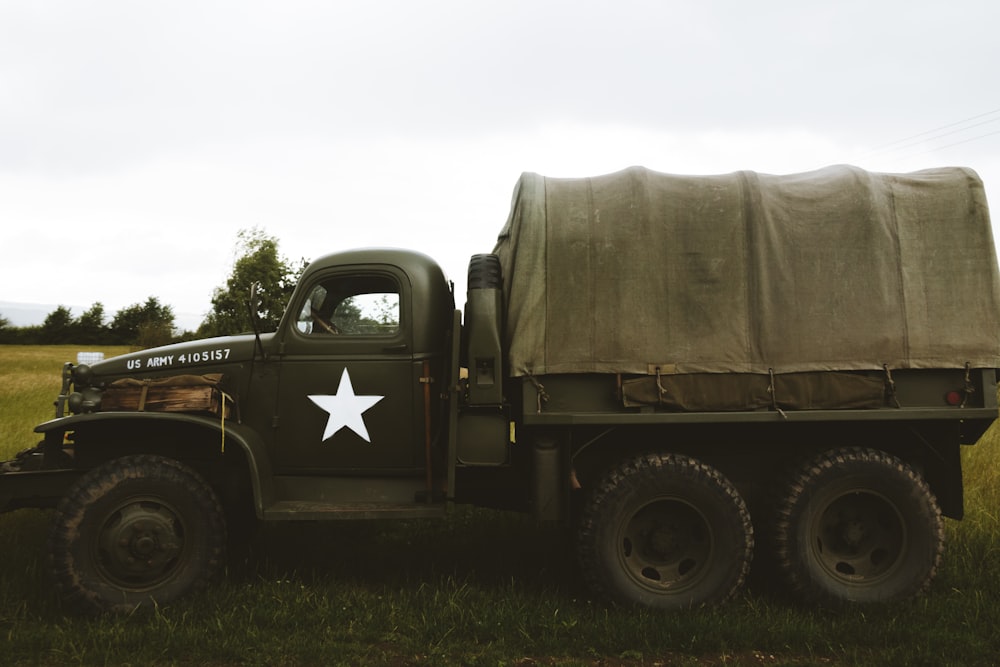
[302, 510]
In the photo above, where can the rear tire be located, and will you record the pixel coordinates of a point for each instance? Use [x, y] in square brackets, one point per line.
[857, 525]
[135, 532]
[665, 531]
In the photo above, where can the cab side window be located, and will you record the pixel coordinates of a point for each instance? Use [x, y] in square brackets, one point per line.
[352, 306]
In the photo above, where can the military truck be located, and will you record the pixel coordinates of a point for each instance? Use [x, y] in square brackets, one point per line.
[687, 371]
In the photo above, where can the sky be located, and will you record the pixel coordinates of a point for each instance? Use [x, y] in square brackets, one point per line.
[137, 138]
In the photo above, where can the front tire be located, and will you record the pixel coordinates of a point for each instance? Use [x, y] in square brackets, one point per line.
[135, 532]
[858, 525]
[665, 531]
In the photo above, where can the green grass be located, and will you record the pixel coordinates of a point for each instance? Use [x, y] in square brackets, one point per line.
[481, 588]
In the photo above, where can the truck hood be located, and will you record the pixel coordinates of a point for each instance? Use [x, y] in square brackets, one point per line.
[194, 357]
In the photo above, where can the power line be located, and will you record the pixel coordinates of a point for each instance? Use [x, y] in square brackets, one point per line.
[895, 147]
[947, 134]
[938, 129]
[957, 143]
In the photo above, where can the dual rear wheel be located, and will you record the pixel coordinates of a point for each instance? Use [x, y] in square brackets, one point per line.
[665, 531]
[670, 532]
[857, 525]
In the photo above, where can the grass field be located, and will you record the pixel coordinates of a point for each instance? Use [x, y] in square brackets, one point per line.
[480, 588]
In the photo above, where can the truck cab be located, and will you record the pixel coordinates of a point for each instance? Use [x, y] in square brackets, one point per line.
[350, 390]
[350, 361]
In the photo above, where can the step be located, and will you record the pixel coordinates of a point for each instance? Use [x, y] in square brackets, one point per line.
[304, 510]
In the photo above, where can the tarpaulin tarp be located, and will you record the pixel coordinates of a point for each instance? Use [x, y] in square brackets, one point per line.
[836, 269]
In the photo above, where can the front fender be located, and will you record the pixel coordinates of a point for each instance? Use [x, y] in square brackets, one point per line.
[227, 433]
[75, 422]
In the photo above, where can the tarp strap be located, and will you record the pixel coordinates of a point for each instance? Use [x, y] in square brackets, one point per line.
[659, 385]
[142, 395]
[890, 386]
[969, 387]
[539, 390]
[773, 393]
[225, 397]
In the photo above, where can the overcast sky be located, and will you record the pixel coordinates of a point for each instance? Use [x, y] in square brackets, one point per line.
[138, 138]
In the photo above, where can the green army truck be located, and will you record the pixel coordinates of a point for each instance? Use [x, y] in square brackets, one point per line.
[689, 372]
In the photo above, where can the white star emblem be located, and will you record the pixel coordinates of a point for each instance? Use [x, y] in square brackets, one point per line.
[346, 409]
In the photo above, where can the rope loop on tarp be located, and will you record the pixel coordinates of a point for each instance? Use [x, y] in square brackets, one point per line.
[659, 386]
[890, 386]
[773, 393]
[969, 387]
[542, 397]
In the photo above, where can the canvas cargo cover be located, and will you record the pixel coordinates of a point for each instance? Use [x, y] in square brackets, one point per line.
[837, 269]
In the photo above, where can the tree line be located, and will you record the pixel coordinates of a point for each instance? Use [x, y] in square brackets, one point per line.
[152, 323]
[146, 325]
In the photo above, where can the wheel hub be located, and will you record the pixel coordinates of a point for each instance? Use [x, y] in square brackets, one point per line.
[853, 533]
[666, 544]
[859, 537]
[140, 543]
[663, 542]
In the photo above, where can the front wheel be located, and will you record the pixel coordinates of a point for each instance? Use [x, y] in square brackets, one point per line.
[665, 531]
[136, 531]
[858, 525]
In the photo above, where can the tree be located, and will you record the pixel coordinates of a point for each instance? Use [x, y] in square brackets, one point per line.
[58, 327]
[8, 334]
[154, 333]
[146, 325]
[257, 263]
[90, 329]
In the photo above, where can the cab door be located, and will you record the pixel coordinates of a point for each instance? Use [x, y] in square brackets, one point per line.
[346, 387]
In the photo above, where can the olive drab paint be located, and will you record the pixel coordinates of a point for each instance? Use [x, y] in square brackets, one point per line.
[660, 372]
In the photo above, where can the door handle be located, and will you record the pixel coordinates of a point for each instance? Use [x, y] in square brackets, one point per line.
[395, 348]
